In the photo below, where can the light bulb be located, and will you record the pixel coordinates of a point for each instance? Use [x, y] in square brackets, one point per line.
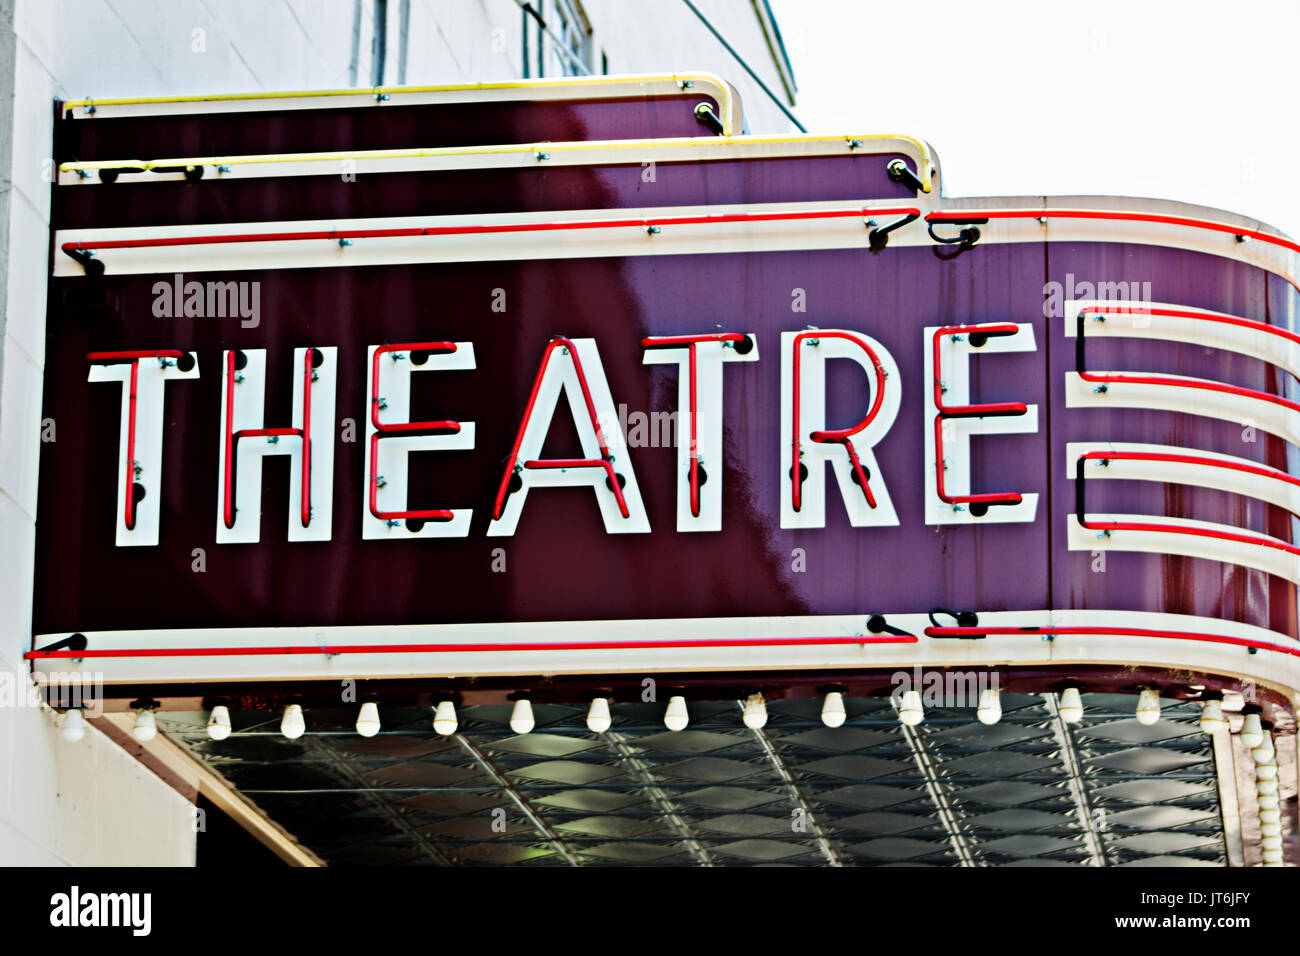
[444, 718]
[755, 715]
[1273, 857]
[910, 711]
[368, 719]
[1071, 705]
[292, 724]
[1267, 787]
[74, 725]
[521, 718]
[1251, 731]
[1212, 719]
[1270, 829]
[598, 719]
[676, 717]
[1270, 816]
[145, 727]
[1266, 771]
[1271, 841]
[1148, 707]
[1263, 752]
[833, 714]
[990, 708]
[219, 722]
[1268, 801]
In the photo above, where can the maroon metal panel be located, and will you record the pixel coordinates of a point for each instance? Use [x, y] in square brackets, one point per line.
[563, 565]
[239, 133]
[851, 176]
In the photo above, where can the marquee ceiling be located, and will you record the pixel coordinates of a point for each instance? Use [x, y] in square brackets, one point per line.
[1030, 790]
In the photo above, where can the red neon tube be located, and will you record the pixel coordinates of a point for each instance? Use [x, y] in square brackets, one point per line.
[841, 436]
[663, 341]
[1204, 317]
[434, 347]
[1262, 470]
[232, 436]
[470, 648]
[610, 474]
[1080, 508]
[131, 356]
[129, 515]
[434, 514]
[306, 434]
[1105, 378]
[605, 458]
[383, 429]
[128, 508]
[969, 215]
[1093, 631]
[413, 231]
[968, 411]
[984, 498]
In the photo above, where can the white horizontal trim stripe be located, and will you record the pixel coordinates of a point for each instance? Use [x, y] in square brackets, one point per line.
[1276, 490]
[594, 242]
[1139, 320]
[1229, 407]
[522, 156]
[994, 651]
[1261, 557]
[675, 241]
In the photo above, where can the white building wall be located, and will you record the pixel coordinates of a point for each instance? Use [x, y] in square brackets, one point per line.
[91, 803]
[667, 37]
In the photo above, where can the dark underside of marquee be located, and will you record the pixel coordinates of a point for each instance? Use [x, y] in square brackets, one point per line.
[1030, 790]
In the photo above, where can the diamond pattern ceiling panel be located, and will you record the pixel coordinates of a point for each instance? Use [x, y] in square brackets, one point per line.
[948, 792]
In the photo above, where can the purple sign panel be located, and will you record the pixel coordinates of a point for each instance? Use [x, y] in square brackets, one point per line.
[1003, 426]
[380, 360]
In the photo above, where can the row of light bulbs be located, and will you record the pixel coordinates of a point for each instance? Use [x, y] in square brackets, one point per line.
[911, 712]
[989, 710]
[676, 717]
[1270, 811]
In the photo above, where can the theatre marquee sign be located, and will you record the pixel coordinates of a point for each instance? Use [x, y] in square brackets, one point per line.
[777, 391]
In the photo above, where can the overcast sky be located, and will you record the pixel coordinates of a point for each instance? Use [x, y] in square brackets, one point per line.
[1189, 100]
